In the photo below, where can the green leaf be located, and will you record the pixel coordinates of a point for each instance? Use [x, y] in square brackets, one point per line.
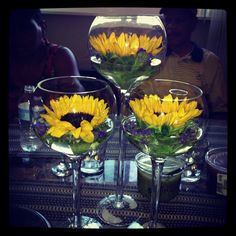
[80, 148]
[165, 130]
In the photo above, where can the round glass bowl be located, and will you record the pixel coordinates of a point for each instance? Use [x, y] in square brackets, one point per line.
[216, 167]
[171, 176]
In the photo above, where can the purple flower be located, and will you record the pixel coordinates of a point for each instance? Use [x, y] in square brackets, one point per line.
[141, 50]
[146, 131]
[41, 128]
[132, 128]
[188, 136]
[102, 134]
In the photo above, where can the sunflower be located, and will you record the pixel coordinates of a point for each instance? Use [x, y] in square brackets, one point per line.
[76, 115]
[125, 45]
[156, 112]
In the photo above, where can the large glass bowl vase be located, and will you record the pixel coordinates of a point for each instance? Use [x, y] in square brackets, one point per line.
[169, 118]
[74, 115]
[126, 50]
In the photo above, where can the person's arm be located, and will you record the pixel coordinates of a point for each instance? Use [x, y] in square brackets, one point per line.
[216, 85]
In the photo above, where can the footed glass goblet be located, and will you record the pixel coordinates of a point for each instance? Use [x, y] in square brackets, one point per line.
[125, 50]
[168, 119]
[77, 118]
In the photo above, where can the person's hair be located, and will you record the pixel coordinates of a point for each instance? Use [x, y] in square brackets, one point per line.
[20, 17]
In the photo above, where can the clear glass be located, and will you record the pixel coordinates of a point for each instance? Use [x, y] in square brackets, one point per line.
[216, 169]
[29, 142]
[77, 117]
[194, 162]
[170, 180]
[126, 50]
[167, 119]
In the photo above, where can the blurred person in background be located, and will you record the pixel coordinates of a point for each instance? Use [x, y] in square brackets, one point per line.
[186, 61]
[32, 57]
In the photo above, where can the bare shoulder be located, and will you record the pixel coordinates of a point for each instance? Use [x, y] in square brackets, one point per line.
[65, 62]
[64, 52]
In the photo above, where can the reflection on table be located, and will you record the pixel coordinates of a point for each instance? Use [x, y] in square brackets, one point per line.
[32, 185]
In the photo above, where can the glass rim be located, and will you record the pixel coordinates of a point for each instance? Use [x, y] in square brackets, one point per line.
[196, 88]
[129, 16]
[90, 78]
[151, 20]
[210, 162]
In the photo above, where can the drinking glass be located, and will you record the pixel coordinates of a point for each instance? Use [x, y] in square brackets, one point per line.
[168, 120]
[77, 118]
[125, 50]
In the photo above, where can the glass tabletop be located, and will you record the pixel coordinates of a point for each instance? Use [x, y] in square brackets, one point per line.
[32, 185]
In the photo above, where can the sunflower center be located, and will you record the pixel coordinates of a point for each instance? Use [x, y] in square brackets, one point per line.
[160, 113]
[76, 118]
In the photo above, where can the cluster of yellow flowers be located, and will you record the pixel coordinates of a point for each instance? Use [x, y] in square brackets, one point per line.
[157, 112]
[125, 45]
[75, 104]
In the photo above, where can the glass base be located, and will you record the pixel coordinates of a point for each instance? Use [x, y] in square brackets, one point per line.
[149, 225]
[113, 213]
[86, 223]
[61, 170]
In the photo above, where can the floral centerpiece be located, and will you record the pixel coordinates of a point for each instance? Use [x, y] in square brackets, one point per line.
[126, 57]
[126, 50]
[163, 127]
[74, 124]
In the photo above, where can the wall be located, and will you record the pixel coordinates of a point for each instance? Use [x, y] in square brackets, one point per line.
[71, 31]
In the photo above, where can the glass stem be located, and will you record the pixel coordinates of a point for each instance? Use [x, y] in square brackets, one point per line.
[120, 168]
[120, 173]
[157, 168]
[76, 193]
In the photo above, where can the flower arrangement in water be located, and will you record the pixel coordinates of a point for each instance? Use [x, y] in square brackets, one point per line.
[126, 56]
[78, 121]
[125, 45]
[164, 126]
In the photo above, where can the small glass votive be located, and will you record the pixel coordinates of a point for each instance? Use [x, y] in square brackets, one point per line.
[93, 163]
[216, 167]
[194, 161]
[170, 180]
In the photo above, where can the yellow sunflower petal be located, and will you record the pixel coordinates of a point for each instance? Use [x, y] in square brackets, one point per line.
[156, 112]
[50, 113]
[121, 41]
[75, 104]
[87, 137]
[85, 126]
[76, 132]
[50, 120]
[134, 43]
[158, 42]
[61, 128]
[156, 51]
[56, 132]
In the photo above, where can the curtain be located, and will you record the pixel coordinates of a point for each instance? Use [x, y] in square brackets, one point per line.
[217, 37]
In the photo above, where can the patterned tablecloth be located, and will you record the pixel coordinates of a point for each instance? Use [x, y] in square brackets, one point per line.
[32, 185]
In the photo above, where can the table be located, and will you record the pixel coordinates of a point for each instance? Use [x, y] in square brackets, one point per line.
[32, 185]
